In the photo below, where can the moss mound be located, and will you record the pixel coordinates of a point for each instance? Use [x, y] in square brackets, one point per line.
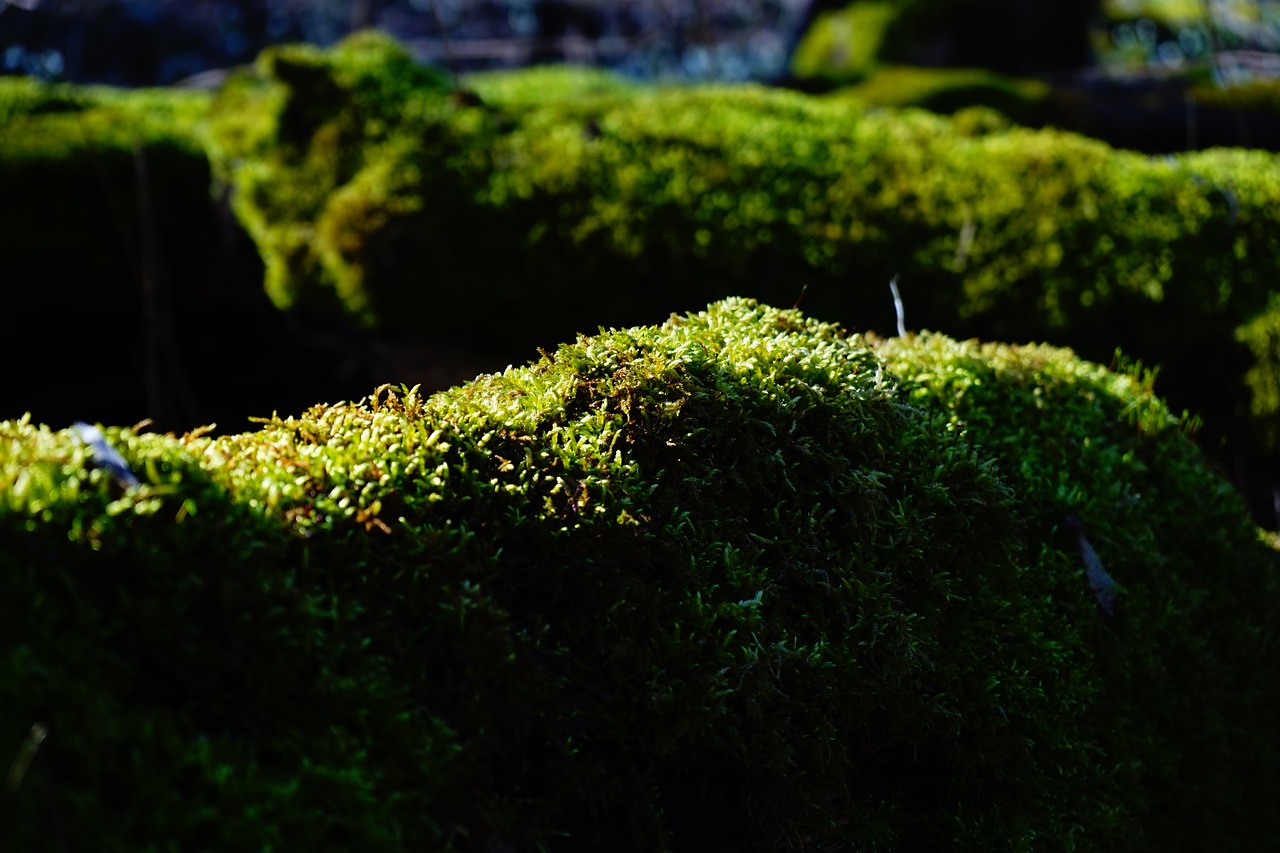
[486, 220]
[479, 219]
[723, 583]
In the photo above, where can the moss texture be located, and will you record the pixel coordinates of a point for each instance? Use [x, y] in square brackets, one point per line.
[481, 219]
[725, 583]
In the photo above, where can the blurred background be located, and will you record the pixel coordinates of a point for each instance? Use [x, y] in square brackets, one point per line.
[163, 42]
[1158, 76]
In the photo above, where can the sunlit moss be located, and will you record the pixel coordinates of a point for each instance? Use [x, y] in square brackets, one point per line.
[735, 581]
[843, 44]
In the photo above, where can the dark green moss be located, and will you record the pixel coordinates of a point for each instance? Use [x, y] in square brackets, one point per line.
[1120, 462]
[721, 583]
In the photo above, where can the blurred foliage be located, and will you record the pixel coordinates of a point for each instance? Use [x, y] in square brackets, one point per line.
[724, 583]
[842, 45]
[950, 90]
[1262, 336]
[1169, 33]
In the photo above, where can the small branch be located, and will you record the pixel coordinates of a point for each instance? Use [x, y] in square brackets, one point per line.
[898, 307]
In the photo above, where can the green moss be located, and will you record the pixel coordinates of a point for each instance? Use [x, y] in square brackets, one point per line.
[1120, 462]
[844, 44]
[531, 87]
[322, 118]
[950, 90]
[677, 196]
[727, 582]
[1262, 338]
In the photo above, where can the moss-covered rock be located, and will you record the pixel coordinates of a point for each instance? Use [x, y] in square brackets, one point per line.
[724, 583]
[489, 221]
[481, 219]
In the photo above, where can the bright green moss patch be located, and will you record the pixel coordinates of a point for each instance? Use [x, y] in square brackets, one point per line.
[420, 210]
[335, 123]
[726, 582]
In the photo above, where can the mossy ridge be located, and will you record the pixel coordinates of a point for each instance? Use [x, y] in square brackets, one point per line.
[680, 195]
[609, 594]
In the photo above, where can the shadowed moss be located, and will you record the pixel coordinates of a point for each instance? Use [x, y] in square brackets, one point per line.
[726, 582]
[1120, 462]
[122, 260]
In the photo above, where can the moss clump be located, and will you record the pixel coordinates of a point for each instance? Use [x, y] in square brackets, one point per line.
[722, 583]
[843, 45]
[120, 252]
[513, 210]
[335, 122]
[105, 192]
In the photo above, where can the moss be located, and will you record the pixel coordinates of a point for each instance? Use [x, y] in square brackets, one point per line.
[950, 90]
[1122, 463]
[55, 121]
[682, 195]
[1262, 337]
[1169, 13]
[122, 261]
[1259, 96]
[844, 44]
[727, 582]
[101, 189]
[322, 118]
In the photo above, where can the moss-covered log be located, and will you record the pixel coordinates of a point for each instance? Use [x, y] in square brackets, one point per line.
[735, 582]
